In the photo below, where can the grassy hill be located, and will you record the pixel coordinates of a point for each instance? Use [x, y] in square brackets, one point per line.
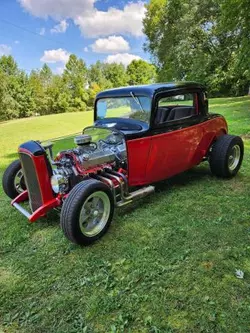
[167, 263]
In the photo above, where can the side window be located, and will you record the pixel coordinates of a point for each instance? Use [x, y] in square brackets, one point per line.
[176, 107]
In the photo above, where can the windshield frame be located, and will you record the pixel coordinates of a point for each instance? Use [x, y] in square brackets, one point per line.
[125, 96]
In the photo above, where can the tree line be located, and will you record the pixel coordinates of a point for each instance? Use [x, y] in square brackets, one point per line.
[200, 40]
[42, 92]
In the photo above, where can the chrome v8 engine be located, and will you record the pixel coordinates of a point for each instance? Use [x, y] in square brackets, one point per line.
[88, 157]
[92, 154]
[88, 154]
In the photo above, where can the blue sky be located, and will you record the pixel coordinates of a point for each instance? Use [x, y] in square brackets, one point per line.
[38, 31]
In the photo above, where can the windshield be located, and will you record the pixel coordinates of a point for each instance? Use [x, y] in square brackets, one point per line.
[136, 107]
[103, 134]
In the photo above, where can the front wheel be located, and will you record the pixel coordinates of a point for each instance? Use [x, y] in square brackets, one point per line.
[13, 180]
[226, 156]
[87, 212]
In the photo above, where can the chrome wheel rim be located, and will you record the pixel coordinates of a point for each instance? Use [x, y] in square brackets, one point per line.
[94, 214]
[19, 182]
[234, 158]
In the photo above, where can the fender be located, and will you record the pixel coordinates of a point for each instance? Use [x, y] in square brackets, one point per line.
[210, 135]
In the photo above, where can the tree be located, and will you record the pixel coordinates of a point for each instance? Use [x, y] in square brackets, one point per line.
[58, 96]
[141, 72]
[181, 36]
[8, 106]
[21, 93]
[8, 65]
[115, 74]
[16, 98]
[235, 20]
[96, 75]
[46, 76]
[75, 78]
[92, 92]
[38, 92]
[190, 41]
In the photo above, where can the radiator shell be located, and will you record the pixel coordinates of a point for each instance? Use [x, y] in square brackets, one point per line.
[37, 173]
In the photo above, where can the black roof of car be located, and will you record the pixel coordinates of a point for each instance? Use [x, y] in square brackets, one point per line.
[148, 89]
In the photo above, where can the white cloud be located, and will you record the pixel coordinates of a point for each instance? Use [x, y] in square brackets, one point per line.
[4, 49]
[42, 32]
[60, 28]
[114, 21]
[112, 44]
[121, 58]
[91, 21]
[16, 42]
[86, 49]
[57, 9]
[53, 56]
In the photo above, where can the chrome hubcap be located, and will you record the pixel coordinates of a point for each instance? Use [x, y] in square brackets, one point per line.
[234, 158]
[19, 182]
[94, 214]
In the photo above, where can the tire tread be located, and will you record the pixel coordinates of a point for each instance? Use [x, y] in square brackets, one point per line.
[8, 179]
[218, 155]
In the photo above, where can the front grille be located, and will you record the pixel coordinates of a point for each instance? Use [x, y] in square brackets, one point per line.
[31, 180]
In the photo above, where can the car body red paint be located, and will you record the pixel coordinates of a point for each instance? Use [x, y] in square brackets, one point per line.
[161, 156]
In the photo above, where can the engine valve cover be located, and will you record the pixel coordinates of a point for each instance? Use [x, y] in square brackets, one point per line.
[121, 151]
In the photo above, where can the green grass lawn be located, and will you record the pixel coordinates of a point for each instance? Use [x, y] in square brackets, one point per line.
[166, 265]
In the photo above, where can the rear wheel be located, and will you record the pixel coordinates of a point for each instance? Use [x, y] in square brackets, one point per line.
[87, 212]
[226, 156]
[13, 180]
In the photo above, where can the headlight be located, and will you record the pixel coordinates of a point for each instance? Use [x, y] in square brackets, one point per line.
[59, 183]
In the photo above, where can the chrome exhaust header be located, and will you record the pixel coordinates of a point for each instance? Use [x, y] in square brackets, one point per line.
[121, 190]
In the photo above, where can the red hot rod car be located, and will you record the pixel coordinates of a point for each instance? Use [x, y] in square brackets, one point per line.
[141, 135]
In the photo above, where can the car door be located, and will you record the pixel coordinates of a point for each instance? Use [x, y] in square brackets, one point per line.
[176, 135]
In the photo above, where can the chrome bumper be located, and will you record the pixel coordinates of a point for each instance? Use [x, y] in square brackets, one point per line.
[22, 210]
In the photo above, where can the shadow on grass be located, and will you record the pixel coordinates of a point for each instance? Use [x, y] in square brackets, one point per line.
[12, 156]
[162, 187]
[52, 218]
[168, 185]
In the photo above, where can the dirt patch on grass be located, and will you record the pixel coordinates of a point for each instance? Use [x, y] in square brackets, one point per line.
[4, 275]
[7, 277]
[237, 186]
